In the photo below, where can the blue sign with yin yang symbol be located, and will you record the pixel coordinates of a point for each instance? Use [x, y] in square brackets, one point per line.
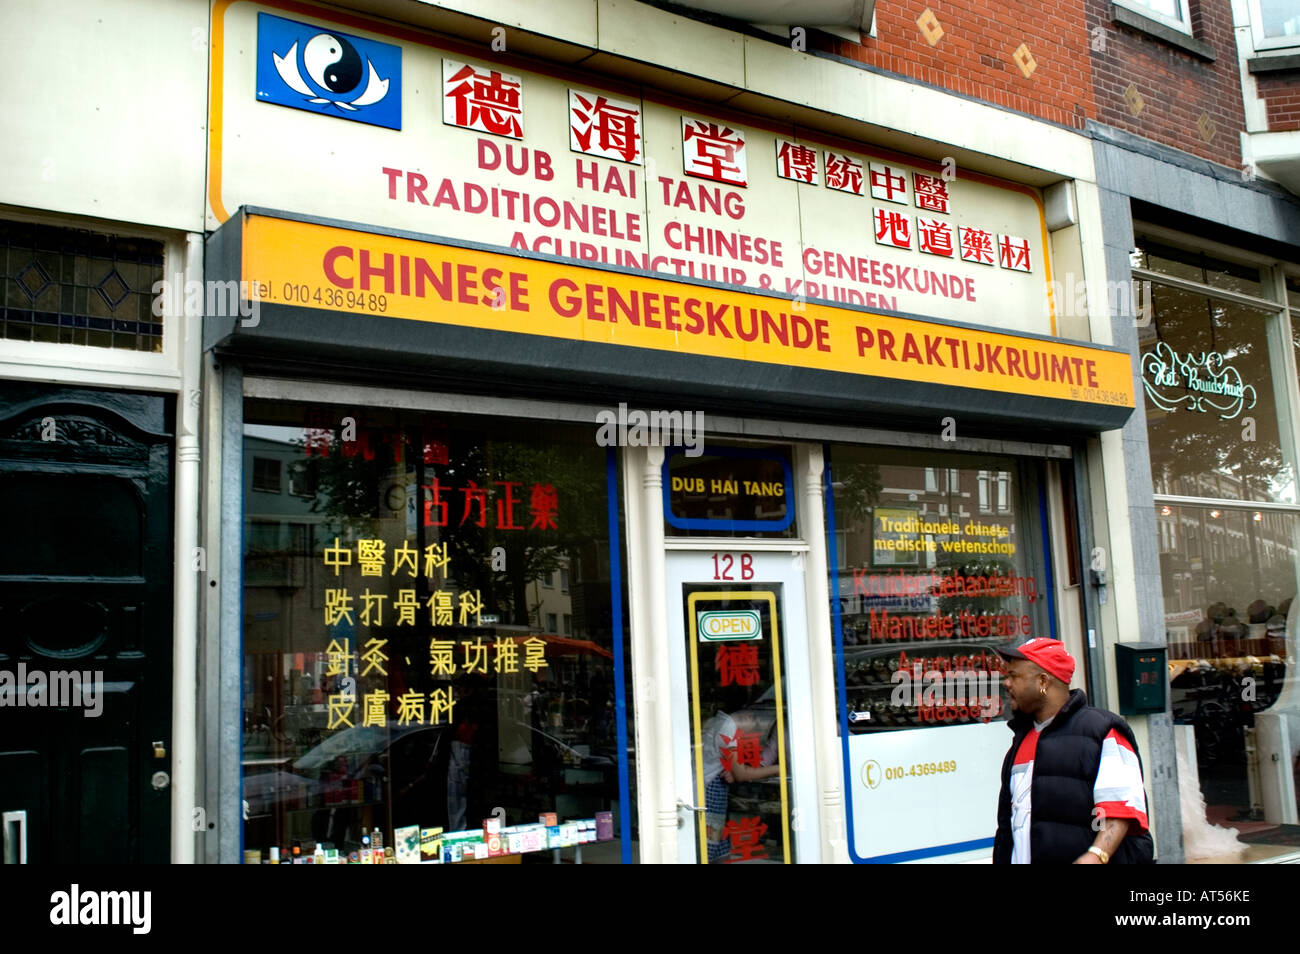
[324, 71]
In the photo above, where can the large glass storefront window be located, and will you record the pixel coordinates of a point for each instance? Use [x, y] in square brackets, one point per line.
[936, 560]
[434, 656]
[1217, 391]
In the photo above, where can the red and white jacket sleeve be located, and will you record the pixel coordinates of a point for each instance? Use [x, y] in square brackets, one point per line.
[1118, 792]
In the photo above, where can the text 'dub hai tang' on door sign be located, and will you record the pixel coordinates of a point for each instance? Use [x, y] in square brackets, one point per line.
[1208, 383]
[738, 721]
[729, 489]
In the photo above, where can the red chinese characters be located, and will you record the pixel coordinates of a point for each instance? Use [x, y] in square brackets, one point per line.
[892, 228]
[795, 161]
[600, 126]
[929, 192]
[843, 173]
[737, 664]
[714, 151]
[976, 245]
[934, 237]
[888, 183]
[487, 100]
[1013, 253]
[746, 837]
[475, 510]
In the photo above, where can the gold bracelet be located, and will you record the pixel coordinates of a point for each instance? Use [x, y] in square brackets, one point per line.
[1103, 855]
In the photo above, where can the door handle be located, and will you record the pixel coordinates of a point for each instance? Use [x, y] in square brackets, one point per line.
[689, 807]
[14, 838]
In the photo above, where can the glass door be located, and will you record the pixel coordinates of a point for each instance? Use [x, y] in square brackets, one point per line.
[744, 765]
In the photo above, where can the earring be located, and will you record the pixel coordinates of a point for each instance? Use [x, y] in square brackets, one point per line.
[1042, 690]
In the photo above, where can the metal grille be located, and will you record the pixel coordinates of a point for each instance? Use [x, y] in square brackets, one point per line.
[73, 286]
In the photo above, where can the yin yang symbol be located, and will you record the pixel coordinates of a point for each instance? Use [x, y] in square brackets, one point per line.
[332, 63]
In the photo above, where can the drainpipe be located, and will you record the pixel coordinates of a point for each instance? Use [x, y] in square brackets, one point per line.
[186, 575]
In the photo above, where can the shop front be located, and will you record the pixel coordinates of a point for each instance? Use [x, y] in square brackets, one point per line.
[592, 487]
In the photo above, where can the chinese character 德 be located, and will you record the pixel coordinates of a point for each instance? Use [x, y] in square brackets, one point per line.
[490, 101]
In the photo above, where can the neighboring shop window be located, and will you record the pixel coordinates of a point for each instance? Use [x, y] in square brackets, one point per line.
[726, 490]
[1217, 391]
[72, 286]
[406, 685]
[935, 570]
[1211, 391]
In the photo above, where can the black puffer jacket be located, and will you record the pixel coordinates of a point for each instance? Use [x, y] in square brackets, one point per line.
[1065, 770]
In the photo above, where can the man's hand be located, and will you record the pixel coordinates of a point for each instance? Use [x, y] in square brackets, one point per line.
[1108, 839]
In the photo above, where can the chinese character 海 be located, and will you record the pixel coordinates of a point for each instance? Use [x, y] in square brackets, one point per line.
[605, 127]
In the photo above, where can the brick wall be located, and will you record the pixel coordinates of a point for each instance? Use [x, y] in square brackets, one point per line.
[1176, 87]
[976, 54]
[1281, 94]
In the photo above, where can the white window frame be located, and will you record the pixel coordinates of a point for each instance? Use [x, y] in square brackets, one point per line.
[1257, 31]
[1137, 6]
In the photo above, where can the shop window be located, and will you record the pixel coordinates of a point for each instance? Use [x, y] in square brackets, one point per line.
[398, 691]
[1275, 23]
[1211, 400]
[1172, 13]
[922, 597]
[266, 475]
[1197, 267]
[73, 286]
[1225, 623]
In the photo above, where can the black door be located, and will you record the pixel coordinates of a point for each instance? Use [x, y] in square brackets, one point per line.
[86, 588]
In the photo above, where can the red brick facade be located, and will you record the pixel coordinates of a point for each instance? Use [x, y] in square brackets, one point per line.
[1281, 93]
[1177, 87]
[975, 56]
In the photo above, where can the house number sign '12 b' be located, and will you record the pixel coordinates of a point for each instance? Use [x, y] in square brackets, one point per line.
[1209, 383]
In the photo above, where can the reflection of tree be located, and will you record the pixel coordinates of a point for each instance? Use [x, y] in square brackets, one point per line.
[857, 491]
[578, 476]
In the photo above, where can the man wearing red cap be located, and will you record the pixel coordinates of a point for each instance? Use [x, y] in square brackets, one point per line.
[1072, 787]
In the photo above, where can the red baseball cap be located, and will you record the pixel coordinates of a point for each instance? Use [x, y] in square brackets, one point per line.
[1047, 654]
